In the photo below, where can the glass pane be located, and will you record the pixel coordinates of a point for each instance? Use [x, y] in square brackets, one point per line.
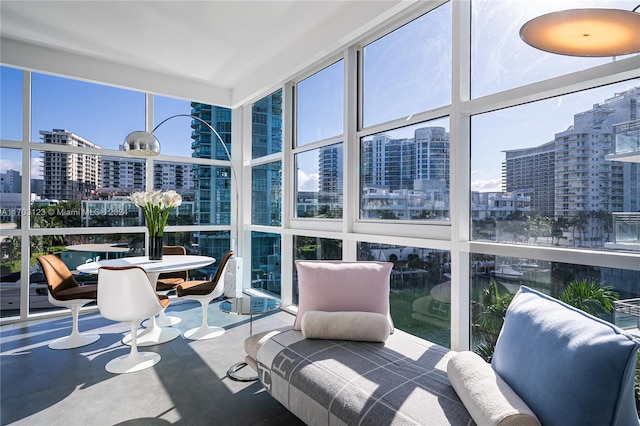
[496, 279]
[405, 173]
[212, 194]
[320, 109]
[102, 116]
[10, 276]
[67, 179]
[408, 70]
[541, 173]
[10, 103]
[319, 182]
[180, 178]
[205, 143]
[74, 250]
[420, 295]
[210, 243]
[265, 262]
[311, 248]
[174, 135]
[501, 60]
[266, 194]
[267, 125]
[11, 188]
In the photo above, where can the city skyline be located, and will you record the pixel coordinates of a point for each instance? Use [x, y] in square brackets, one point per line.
[175, 130]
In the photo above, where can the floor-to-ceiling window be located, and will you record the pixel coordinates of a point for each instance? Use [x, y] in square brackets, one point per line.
[66, 180]
[544, 187]
[266, 194]
[473, 162]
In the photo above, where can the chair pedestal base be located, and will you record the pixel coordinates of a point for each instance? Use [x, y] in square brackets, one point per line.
[132, 362]
[164, 321]
[153, 336]
[204, 333]
[74, 341]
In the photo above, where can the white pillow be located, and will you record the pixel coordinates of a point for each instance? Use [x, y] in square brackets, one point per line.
[358, 326]
[488, 398]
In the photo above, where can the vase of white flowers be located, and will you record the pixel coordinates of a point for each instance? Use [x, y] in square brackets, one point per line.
[156, 206]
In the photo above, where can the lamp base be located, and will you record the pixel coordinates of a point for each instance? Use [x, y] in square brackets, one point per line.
[233, 278]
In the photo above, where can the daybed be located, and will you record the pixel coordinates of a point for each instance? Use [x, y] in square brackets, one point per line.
[553, 364]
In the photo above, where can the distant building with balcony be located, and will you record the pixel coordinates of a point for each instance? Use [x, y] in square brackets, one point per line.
[69, 175]
[175, 176]
[212, 183]
[406, 178]
[118, 210]
[432, 154]
[499, 205]
[330, 166]
[532, 170]
[626, 224]
[584, 180]
[405, 204]
[123, 174]
[266, 180]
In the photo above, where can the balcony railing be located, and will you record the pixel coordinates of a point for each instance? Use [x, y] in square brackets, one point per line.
[627, 137]
[626, 231]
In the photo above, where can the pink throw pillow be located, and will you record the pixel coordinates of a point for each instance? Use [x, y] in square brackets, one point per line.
[335, 285]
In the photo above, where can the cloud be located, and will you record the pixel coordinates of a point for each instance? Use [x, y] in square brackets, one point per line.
[487, 185]
[307, 182]
[6, 164]
[36, 167]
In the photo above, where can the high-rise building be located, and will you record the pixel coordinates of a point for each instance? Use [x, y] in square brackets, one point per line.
[432, 154]
[67, 175]
[406, 178]
[388, 163]
[212, 183]
[176, 176]
[11, 182]
[266, 124]
[330, 166]
[532, 171]
[123, 174]
[584, 180]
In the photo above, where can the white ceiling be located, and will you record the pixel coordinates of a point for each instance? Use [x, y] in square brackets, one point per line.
[219, 52]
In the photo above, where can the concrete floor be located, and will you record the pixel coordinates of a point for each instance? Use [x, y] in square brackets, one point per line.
[41, 386]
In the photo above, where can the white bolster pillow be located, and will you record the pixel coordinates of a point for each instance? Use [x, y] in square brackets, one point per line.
[358, 326]
[487, 397]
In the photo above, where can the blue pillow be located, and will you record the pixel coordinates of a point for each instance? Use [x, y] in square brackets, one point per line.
[569, 367]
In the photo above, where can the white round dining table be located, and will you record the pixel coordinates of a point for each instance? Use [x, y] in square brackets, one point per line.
[153, 334]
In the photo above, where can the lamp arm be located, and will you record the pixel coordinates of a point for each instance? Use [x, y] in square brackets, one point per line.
[226, 150]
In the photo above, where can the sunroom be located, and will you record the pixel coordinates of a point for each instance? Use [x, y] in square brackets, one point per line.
[423, 133]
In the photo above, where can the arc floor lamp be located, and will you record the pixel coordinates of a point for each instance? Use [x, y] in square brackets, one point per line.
[145, 144]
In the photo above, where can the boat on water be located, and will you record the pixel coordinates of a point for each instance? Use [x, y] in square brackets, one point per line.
[527, 265]
[506, 271]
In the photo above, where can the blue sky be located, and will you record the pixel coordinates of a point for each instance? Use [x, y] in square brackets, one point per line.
[403, 73]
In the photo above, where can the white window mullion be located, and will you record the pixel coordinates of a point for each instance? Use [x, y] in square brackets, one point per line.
[460, 137]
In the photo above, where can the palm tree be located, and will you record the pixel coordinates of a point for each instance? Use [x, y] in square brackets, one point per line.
[590, 296]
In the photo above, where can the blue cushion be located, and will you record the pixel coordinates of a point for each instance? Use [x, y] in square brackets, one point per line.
[569, 367]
